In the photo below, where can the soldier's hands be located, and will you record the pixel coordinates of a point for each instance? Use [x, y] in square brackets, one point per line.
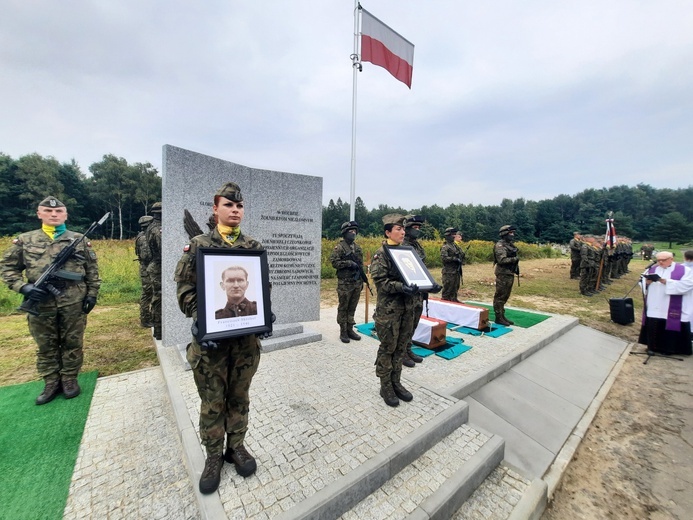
[410, 289]
[88, 304]
[32, 292]
[435, 289]
[193, 329]
[353, 265]
[204, 345]
[265, 335]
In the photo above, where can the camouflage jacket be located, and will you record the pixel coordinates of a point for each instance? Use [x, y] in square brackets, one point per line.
[388, 282]
[30, 253]
[589, 257]
[575, 246]
[341, 257]
[414, 243]
[186, 270]
[505, 257]
[142, 251]
[452, 257]
[153, 234]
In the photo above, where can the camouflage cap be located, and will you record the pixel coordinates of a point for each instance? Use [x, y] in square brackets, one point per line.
[51, 202]
[504, 230]
[451, 231]
[231, 191]
[393, 219]
[352, 224]
[146, 219]
[413, 220]
[156, 207]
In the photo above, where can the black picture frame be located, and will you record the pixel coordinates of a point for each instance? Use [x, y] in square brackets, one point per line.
[212, 297]
[411, 268]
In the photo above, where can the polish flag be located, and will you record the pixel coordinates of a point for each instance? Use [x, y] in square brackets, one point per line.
[384, 47]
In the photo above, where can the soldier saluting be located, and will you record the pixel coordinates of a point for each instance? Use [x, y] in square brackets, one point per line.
[57, 324]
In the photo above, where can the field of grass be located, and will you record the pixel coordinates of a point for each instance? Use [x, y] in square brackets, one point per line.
[115, 343]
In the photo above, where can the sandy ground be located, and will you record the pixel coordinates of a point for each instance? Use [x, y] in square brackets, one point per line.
[636, 461]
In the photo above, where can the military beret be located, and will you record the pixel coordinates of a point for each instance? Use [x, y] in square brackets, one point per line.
[393, 219]
[231, 191]
[156, 207]
[413, 220]
[352, 224]
[51, 202]
[451, 231]
[146, 219]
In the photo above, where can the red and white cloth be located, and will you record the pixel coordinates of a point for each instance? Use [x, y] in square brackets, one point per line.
[382, 46]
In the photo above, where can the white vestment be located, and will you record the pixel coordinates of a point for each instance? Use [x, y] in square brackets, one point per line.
[658, 293]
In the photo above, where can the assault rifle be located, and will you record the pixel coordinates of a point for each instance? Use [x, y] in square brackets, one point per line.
[55, 272]
[361, 273]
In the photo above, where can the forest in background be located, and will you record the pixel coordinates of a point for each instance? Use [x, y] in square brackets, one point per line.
[640, 212]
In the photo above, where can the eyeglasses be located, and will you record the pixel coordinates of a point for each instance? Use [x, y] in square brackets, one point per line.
[664, 260]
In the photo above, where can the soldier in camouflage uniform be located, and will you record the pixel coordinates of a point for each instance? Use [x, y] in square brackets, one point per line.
[153, 235]
[452, 257]
[144, 256]
[575, 246]
[506, 261]
[222, 369]
[59, 327]
[347, 259]
[588, 266]
[394, 314]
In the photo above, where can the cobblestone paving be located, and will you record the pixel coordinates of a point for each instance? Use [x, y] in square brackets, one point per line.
[495, 499]
[129, 463]
[310, 428]
[400, 495]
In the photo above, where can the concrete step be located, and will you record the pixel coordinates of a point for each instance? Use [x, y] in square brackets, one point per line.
[289, 335]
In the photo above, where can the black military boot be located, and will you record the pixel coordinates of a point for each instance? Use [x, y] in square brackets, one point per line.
[500, 317]
[71, 387]
[211, 475]
[242, 459]
[407, 361]
[50, 391]
[343, 336]
[352, 334]
[157, 332]
[412, 356]
[388, 393]
[401, 392]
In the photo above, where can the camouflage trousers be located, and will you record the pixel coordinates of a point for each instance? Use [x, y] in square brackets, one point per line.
[223, 378]
[146, 297]
[504, 286]
[154, 271]
[451, 285]
[587, 280]
[59, 335]
[349, 293]
[394, 328]
[418, 309]
[575, 268]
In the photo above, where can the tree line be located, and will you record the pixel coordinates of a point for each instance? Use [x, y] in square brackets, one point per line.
[127, 190]
[642, 213]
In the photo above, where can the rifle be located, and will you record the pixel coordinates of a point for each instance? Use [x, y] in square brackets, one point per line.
[517, 272]
[54, 270]
[362, 273]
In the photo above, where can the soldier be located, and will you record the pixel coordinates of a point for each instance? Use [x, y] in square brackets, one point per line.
[452, 257]
[144, 256]
[153, 235]
[394, 314]
[588, 266]
[575, 245]
[222, 369]
[58, 329]
[646, 251]
[507, 266]
[347, 259]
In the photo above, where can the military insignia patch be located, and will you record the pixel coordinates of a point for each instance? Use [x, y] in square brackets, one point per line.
[15, 241]
[88, 243]
[186, 248]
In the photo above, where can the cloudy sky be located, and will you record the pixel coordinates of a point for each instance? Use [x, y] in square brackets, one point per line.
[509, 99]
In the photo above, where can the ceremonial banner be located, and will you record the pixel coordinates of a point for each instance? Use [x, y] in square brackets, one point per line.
[382, 46]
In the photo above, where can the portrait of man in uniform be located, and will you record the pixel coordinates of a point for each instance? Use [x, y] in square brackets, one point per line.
[234, 283]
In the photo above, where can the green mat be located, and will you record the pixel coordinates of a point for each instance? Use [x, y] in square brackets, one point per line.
[38, 448]
[521, 318]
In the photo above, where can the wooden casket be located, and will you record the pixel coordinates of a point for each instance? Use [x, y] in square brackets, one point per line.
[458, 313]
[430, 333]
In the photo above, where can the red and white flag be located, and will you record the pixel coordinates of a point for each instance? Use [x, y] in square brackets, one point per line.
[610, 236]
[384, 47]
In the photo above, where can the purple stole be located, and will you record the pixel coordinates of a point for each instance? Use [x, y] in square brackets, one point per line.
[675, 301]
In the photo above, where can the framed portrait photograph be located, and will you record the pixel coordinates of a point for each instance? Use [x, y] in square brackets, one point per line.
[410, 267]
[233, 297]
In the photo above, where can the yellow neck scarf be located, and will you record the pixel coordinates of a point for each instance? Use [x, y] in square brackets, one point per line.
[391, 242]
[228, 233]
[53, 232]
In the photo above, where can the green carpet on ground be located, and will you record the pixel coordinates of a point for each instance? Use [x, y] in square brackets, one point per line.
[521, 318]
[39, 447]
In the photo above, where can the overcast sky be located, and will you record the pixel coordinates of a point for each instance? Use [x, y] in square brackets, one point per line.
[509, 99]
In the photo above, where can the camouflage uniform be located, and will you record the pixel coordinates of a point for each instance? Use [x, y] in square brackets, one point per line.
[144, 256]
[59, 328]
[451, 256]
[588, 268]
[506, 262]
[412, 241]
[153, 235]
[349, 283]
[575, 245]
[222, 375]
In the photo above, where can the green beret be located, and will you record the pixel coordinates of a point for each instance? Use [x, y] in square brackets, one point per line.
[231, 191]
[51, 202]
[394, 219]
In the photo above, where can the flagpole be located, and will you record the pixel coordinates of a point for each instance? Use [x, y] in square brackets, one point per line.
[356, 65]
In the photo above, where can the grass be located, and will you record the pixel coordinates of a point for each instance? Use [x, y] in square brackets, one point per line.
[115, 343]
